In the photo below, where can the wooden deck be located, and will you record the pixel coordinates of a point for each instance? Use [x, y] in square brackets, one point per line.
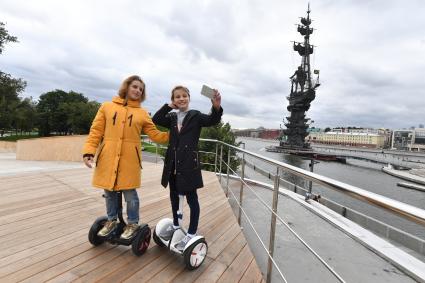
[45, 218]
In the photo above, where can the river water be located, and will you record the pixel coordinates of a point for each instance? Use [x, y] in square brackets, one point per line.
[362, 174]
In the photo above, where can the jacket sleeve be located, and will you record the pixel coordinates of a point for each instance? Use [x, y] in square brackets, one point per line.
[97, 130]
[161, 118]
[211, 119]
[154, 134]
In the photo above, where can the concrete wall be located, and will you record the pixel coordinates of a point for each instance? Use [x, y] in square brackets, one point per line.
[66, 148]
[7, 146]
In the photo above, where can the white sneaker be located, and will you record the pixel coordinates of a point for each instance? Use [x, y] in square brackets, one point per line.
[182, 244]
[166, 235]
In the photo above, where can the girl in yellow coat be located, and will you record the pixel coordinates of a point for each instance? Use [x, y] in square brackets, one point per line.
[115, 134]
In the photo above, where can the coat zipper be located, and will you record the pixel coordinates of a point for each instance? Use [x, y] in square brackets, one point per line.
[175, 162]
[114, 118]
[138, 157]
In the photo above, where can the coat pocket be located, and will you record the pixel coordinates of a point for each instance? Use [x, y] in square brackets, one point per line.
[190, 161]
[138, 157]
[98, 156]
[195, 160]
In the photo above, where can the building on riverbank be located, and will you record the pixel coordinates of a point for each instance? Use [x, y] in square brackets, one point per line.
[358, 139]
[411, 140]
[262, 133]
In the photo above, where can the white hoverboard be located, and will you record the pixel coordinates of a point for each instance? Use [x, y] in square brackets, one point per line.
[195, 251]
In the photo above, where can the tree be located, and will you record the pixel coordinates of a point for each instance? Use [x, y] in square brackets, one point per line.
[65, 113]
[10, 88]
[221, 132]
[80, 115]
[327, 129]
[5, 37]
[24, 116]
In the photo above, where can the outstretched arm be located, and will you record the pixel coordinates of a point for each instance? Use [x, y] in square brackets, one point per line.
[154, 134]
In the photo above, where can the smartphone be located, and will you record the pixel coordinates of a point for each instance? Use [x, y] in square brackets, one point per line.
[207, 91]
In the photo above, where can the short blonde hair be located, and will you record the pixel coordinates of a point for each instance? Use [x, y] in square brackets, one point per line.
[122, 92]
[185, 89]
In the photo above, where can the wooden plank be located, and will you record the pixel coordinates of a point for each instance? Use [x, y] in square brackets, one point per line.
[76, 258]
[58, 251]
[212, 273]
[104, 270]
[169, 272]
[190, 276]
[41, 224]
[41, 266]
[150, 261]
[38, 212]
[12, 208]
[151, 269]
[252, 274]
[30, 242]
[14, 257]
[232, 250]
[219, 245]
[89, 265]
[236, 270]
[50, 251]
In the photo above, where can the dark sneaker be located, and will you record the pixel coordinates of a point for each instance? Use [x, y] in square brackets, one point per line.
[129, 231]
[182, 244]
[166, 235]
[109, 226]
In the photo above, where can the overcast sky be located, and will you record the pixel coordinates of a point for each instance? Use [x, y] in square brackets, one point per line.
[370, 54]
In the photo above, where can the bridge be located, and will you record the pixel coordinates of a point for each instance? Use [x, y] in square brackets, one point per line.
[396, 158]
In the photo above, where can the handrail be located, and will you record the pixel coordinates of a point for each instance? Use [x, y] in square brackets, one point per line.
[405, 210]
[274, 214]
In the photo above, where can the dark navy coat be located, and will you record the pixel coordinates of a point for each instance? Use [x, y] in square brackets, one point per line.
[182, 155]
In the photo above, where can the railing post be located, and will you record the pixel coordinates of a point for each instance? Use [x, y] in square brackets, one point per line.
[221, 159]
[241, 189]
[310, 183]
[273, 225]
[228, 166]
[156, 153]
[216, 154]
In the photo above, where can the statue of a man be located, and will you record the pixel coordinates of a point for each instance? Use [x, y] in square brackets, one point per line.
[300, 78]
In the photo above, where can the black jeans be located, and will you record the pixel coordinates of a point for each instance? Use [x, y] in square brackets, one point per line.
[192, 201]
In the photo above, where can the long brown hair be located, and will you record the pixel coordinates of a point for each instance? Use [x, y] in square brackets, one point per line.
[122, 92]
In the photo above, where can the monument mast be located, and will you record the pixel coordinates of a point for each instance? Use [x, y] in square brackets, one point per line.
[303, 91]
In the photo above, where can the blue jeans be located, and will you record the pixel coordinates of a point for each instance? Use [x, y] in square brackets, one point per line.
[132, 200]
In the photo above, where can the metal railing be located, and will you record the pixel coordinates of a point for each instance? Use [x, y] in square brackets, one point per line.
[401, 209]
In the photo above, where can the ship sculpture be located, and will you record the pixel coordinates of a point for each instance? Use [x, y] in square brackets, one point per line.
[303, 92]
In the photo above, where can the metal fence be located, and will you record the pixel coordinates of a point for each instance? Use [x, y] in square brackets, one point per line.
[409, 212]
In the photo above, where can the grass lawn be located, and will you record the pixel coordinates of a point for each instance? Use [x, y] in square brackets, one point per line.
[14, 138]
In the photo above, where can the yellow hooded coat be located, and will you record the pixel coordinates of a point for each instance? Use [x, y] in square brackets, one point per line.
[117, 128]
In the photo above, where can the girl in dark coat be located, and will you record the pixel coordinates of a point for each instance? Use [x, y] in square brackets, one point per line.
[182, 169]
